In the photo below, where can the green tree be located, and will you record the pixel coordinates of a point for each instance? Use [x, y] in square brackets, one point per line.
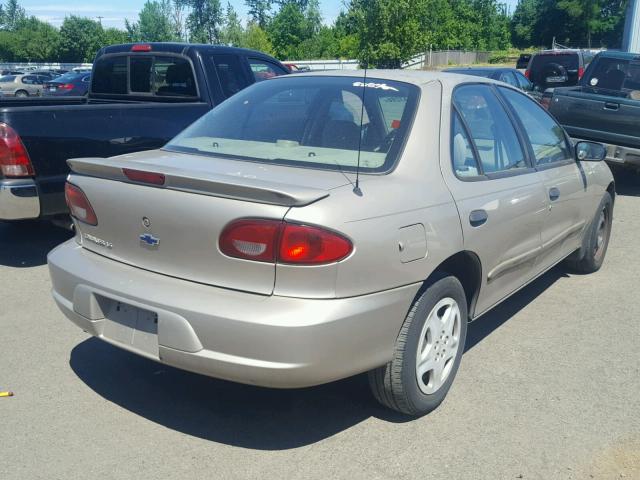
[256, 38]
[389, 31]
[154, 23]
[114, 36]
[287, 30]
[80, 39]
[35, 41]
[12, 15]
[232, 32]
[258, 11]
[204, 21]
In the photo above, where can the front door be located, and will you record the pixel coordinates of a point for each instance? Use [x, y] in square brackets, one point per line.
[564, 181]
[499, 197]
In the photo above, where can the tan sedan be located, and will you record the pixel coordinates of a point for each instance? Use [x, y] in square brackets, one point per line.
[21, 85]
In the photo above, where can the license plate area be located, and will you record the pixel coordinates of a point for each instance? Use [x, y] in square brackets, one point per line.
[130, 326]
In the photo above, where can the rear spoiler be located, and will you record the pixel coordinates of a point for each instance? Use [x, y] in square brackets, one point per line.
[216, 185]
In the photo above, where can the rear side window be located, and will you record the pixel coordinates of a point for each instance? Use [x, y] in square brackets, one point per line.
[311, 122]
[508, 78]
[545, 135]
[230, 73]
[490, 127]
[263, 70]
[157, 75]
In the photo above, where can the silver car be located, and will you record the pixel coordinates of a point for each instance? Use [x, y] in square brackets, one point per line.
[320, 225]
[22, 85]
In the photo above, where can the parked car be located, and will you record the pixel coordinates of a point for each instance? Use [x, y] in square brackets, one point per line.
[605, 106]
[68, 84]
[557, 68]
[46, 74]
[141, 96]
[293, 68]
[507, 75]
[21, 85]
[294, 236]
[523, 61]
[10, 72]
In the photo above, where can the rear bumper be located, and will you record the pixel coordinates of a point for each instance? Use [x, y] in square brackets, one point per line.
[270, 341]
[19, 199]
[617, 155]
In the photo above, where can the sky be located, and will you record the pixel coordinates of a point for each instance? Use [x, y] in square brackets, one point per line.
[114, 12]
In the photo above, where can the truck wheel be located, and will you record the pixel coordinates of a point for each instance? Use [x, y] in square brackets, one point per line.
[427, 353]
[591, 255]
[22, 93]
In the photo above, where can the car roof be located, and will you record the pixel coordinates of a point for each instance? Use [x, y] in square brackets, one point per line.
[619, 54]
[180, 48]
[479, 69]
[416, 77]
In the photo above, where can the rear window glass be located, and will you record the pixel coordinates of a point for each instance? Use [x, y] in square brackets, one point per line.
[567, 60]
[148, 74]
[7, 78]
[310, 122]
[614, 74]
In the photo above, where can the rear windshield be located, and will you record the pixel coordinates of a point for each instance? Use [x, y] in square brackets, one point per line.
[157, 75]
[567, 60]
[68, 77]
[312, 122]
[614, 74]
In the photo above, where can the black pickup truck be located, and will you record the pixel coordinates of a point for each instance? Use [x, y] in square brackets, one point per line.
[604, 107]
[141, 96]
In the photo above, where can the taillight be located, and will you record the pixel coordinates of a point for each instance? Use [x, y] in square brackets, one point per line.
[527, 73]
[251, 239]
[545, 101]
[65, 86]
[79, 205]
[281, 242]
[14, 159]
[144, 177]
[306, 245]
[580, 72]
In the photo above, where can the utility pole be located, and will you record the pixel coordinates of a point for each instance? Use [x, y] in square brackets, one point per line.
[99, 17]
[631, 38]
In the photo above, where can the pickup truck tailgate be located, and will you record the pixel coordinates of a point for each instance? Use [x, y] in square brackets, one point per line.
[598, 117]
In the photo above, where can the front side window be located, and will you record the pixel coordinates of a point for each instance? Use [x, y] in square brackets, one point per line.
[263, 70]
[490, 127]
[308, 122]
[546, 136]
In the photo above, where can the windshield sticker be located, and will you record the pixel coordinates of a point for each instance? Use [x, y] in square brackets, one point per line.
[594, 82]
[381, 86]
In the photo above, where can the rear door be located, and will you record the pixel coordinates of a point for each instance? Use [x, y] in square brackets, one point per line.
[565, 183]
[499, 197]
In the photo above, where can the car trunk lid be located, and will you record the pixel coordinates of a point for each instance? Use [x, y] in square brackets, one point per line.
[174, 229]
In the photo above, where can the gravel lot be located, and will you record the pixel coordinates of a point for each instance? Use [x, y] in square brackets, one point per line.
[549, 388]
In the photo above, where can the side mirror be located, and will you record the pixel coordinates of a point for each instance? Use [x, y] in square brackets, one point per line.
[590, 152]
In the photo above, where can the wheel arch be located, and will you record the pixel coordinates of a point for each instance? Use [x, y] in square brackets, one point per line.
[467, 268]
[611, 189]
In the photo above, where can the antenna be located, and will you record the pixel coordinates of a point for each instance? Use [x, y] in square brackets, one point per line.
[356, 188]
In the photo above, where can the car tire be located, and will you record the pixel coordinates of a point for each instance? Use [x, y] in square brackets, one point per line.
[22, 93]
[590, 257]
[425, 335]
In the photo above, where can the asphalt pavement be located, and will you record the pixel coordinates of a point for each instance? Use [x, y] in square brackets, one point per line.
[549, 388]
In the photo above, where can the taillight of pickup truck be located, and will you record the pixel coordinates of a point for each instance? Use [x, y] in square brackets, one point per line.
[14, 159]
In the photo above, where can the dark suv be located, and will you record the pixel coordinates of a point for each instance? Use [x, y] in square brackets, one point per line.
[557, 68]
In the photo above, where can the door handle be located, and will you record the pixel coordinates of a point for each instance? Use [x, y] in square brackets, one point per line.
[554, 194]
[611, 106]
[478, 217]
